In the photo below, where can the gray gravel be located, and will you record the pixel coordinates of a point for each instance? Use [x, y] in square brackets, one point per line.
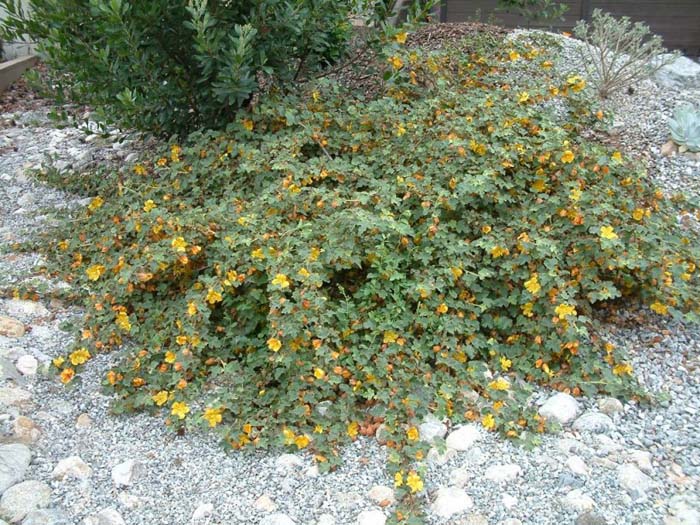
[175, 477]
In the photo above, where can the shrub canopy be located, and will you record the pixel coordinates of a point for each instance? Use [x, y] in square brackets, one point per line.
[330, 263]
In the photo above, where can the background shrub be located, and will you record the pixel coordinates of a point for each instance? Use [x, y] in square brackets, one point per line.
[171, 66]
[330, 263]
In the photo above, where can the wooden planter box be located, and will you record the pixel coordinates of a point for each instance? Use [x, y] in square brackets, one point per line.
[13, 69]
[677, 21]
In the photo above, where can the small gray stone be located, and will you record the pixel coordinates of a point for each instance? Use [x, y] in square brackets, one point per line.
[561, 407]
[431, 429]
[684, 510]
[107, 516]
[577, 466]
[577, 501]
[382, 495]
[633, 480]
[459, 477]
[71, 467]
[371, 517]
[14, 462]
[19, 500]
[595, 423]
[203, 511]
[124, 473]
[11, 396]
[590, 518]
[382, 434]
[463, 437]
[19, 308]
[325, 519]
[27, 365]
[26, 430]
[289, 462]
[265, 504]
[643, 460]
[47, 517]
[435, 457]
[83, 421]
[277, 519]
[450, 501]
[503, 473]
[610, 406]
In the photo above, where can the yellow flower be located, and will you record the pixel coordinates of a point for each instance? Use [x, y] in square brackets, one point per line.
[281, 280]
[546, 64]
[170, 357]
[162, 162]
[565, 310]
[497, 252]
[513, 55]
[257, 254]
[302, 441]
[390, 337]
[400, 130]
[96, 203]
[213, 416]
[608, 232]
[160, 398]
[288, 436]
[539, 185]
[527, 309]
[532, 285]
[575, 195]
[95, 272]
[140, 170]
[414, 482]
[505, 363]
[638, 214]
[122, 321]
[191, 308]
[67, 375]
[567, 157]
[456, 272]
[319, 373]
[248, 124]
[412, 433]
[180, 409]
[148, 205]
[499, 384]
[274, 344]
[314, 254]
[396, 62]
[80, 356]
[659, 308]
[523, 97]
[617, 156]
[576, 83]
[175, 151]
[398, 479]
[401, 37]
[179, 244]
[213, 296]
[442, 309]
[488, 421]
[622, 369]
[353, 429]
[181, 339]
[58, 361]
[303, 273]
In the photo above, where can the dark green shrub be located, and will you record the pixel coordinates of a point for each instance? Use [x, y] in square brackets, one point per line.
[171, 66]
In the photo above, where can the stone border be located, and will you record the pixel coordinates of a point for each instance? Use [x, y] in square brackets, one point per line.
[13, 69]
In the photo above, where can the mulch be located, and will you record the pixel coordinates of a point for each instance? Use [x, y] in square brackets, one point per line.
[20, 96]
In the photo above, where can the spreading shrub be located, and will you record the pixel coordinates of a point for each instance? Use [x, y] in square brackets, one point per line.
[330, 263]
[172, 66]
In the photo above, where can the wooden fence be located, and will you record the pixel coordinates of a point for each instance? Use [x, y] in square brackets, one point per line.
[677, 21]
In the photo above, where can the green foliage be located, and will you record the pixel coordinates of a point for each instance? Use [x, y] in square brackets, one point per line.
[617, 52]
[382, 259]
[685, 127]
[170, 66]
[544, 10]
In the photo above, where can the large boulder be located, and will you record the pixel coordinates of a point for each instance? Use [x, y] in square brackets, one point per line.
[682, 73]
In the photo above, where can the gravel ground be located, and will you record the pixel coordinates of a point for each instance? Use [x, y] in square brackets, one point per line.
[612, 464]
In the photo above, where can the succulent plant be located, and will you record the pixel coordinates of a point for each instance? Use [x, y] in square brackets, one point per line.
[685, 127]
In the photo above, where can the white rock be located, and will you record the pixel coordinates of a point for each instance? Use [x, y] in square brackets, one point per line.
[577, 466]
[568, 445]
[561, 407]
[510, 521]
[435, 457]
[14, 462]
[325, 519]
[643, 460]
[606, 445]
[124, 474]
[463, 437]
[203, 511]
[633, 480]
[289, 462]
[594, 422]
[11, 396]
[45, 517]
[26, 430]
[459, 477]
[684, 509]
[381, 493]
[83, 421]
[312, 471]
[27, 365]
[108, 516]
[610, 406]
[382, 434]
[371, 517]
[129, 501]
[450, 501]
[277, 519]
[10, 327]
[509, 501]
[71, 467]
[19, 500]
[265, 504]
[578, 501]
[681, 73]
[503, 473]
[19, 307]
[431, 429]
